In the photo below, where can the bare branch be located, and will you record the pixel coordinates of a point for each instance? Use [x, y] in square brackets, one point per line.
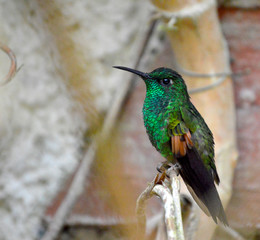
[170, 197]
[85, 221]
[172, 208]
[222, 76]
[164, 193]
[141, 207]
[13, 68]
[175, 192]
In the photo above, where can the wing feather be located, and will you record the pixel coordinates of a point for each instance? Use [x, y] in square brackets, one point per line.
[196, 176]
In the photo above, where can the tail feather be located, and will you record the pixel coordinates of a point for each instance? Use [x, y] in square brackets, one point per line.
[201, 185]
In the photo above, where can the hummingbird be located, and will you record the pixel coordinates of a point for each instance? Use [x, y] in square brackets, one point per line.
[178, 131]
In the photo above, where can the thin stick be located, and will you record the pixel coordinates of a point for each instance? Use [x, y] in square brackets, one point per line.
[222, 76]
[141, 207]
[13, 67]
[211, 75]
[85, 221]
[79, 180]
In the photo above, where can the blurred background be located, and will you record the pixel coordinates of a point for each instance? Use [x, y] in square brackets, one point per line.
[74, 154]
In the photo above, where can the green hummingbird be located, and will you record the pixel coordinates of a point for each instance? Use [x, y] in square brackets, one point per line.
[178, 131]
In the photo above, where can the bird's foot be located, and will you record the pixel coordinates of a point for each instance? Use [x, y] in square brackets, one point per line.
[165, 169]
[163, 166]
[175, 167]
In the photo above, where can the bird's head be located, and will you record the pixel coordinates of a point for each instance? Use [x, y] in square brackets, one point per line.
[162, 82]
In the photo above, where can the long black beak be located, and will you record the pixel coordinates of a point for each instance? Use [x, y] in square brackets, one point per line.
[141, 74]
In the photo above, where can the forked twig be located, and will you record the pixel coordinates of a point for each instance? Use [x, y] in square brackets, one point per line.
[170, 197]
[141, 208]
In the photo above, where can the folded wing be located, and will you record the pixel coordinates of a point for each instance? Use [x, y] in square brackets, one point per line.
[196, 176]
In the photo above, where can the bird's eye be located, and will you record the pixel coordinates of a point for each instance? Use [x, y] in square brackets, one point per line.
[166, 82]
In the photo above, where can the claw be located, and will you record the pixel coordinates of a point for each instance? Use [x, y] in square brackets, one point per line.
[163, 166]
[159, 180]
[176, 167]
[156, 178]
[159, 168]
